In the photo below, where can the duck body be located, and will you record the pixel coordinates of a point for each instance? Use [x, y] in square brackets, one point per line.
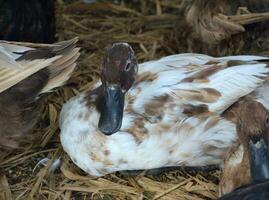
[141, 146]
[172, 115]
[26, 72]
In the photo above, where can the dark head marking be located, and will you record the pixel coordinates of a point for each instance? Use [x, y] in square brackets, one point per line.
[119, 66]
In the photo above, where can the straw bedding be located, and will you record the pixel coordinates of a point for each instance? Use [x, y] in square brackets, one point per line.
[149, 26]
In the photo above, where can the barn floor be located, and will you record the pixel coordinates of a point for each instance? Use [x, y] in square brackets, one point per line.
[149, 26]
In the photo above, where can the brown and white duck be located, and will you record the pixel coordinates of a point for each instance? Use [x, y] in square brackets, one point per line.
[161, 113]
[26, 71]
[246, 168]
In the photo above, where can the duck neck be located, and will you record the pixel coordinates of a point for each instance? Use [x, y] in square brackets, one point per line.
[259, 159]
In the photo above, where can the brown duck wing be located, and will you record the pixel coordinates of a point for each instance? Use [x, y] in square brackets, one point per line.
[21, 60]
[40, 69]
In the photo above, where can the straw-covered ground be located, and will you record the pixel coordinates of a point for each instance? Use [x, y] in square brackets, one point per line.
[149, 27]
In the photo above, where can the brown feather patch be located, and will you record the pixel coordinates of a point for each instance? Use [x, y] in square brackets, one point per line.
[235, 173]
[202, 76]
[138, 130]
[191, 110]
[205, 95]
[156, 105]
[20, 110]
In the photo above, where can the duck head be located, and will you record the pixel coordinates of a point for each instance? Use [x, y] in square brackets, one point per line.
[118, 73]
[252, 128]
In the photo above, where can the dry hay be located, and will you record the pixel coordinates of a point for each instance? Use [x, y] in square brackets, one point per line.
[149, 27]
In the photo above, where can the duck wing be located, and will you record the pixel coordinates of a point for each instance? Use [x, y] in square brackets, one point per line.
[40, 68]
[196, 83]
[217, 87]
[18, 61]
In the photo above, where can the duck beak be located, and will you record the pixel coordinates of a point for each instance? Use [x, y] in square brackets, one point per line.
[112, 110]
[259, 159]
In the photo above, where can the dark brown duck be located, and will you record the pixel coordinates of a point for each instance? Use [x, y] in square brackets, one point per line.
[246, 168]
[27, 71]
[27, 21]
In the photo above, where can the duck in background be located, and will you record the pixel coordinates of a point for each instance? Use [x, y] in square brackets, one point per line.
[246, 169]
[27, 21]
[27, 71]
[254, 191]
[163, 113]
[221, 28]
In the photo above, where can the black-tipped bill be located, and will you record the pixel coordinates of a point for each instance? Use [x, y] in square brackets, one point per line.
[112, 110]
[259, 159]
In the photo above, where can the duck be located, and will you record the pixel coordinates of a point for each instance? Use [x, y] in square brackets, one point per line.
[221, 28]
[254, 191]
[27, 71]
[27, 21]
[160, 113]
[246, 167]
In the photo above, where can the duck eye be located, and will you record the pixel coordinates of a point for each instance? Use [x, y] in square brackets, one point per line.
[127, 66]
